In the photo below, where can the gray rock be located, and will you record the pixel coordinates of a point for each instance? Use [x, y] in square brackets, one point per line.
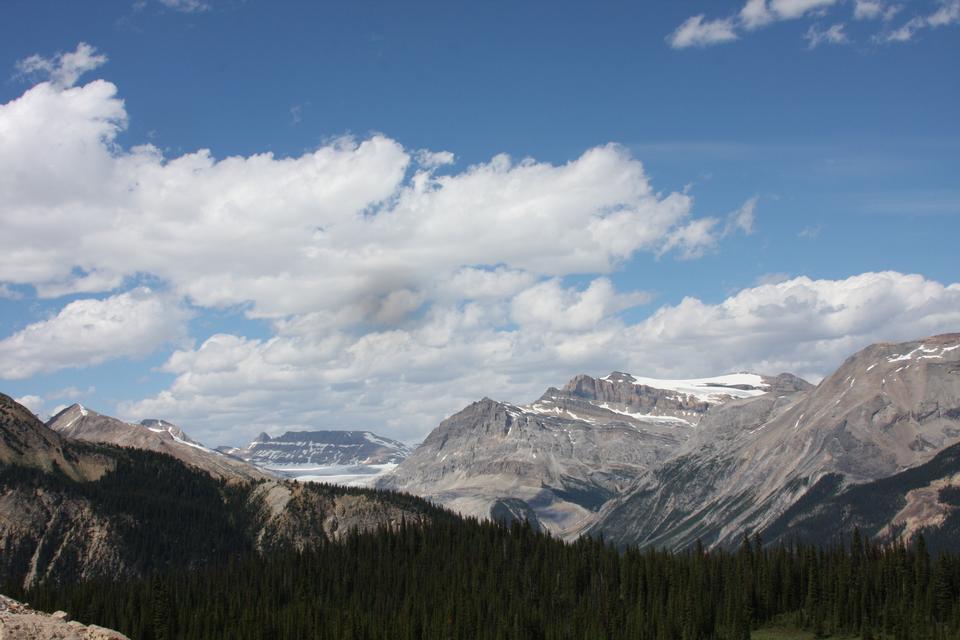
[80, 423]
[887, 408]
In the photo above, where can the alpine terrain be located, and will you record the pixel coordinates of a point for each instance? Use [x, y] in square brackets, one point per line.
[78, 509]
[556, 461]
[80, 423]
[667, 462]
[343, 457]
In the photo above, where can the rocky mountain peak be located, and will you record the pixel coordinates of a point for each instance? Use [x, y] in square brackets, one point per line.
[26, 441]
[79, 423]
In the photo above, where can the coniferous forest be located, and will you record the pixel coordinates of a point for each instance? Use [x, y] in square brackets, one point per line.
[466, 579]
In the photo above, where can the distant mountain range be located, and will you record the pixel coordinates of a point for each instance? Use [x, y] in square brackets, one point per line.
[640, 461]
[321, 448]
[80, 423]
[667, 462]
[96, 497]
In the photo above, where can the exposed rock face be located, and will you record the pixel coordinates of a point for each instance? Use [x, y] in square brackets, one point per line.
[25, 441]
[321, 448]
[889, 407]
[52, 536]
[123, 511]
[299, 516]
[20, 622]
[921, 499]
[79, 423]
[569, 452]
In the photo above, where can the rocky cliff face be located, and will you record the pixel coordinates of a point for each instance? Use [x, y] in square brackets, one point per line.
[887, 408]
[566, 454]
[80, 423]
[321, 448]
[25, 441]
[921, 499]
[298, 516]
[52, 536]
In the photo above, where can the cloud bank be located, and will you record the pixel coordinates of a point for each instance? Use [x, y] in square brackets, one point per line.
[396, 285]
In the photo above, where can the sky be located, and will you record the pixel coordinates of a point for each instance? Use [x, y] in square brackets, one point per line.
[246, 216]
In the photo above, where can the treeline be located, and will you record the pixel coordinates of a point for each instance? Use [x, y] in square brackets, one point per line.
[463, 579]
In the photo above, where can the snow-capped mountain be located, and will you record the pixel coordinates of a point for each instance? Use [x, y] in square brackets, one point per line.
[888, 408]
[81, 423]
[345, 457]
[572, 450]
[666, 462]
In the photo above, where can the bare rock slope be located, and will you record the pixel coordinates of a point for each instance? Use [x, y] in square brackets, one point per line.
[887, 408]
[80, 423]
[562, 457]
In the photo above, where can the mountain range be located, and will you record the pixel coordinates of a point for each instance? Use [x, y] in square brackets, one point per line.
[664, 463]
[75, 507]
[640, 461]
[344, 457]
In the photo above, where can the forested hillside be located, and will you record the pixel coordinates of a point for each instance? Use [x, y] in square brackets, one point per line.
[465, 579]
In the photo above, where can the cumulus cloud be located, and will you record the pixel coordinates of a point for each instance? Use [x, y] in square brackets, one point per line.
[697, 32]
[344, 227]
[63, 69]
[800, 325]
[405, 380]
[88, 332]
[551, 306]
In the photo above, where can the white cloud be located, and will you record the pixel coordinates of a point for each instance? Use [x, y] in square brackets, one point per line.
[793, 9]
[755, 14]
[834, 34]
[867, 9]
[549, 305]
[34, 403]
[186, 6]
[947, 14]
[63, 69]
[432, 159]
[91, 331]
[70, 393]
[800, 325]
[743, 218]
[340, 228]
[404, 381]
[8, 293]
[695, 32]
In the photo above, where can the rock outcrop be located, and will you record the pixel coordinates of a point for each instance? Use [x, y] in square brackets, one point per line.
[20, 622]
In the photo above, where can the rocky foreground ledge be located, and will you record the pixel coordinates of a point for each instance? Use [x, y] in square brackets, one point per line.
[19, 622]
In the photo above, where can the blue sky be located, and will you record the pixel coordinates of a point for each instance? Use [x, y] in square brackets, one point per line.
[692, 187]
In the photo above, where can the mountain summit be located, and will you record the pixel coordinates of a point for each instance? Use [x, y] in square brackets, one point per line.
[79, 423]
[565, 455]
